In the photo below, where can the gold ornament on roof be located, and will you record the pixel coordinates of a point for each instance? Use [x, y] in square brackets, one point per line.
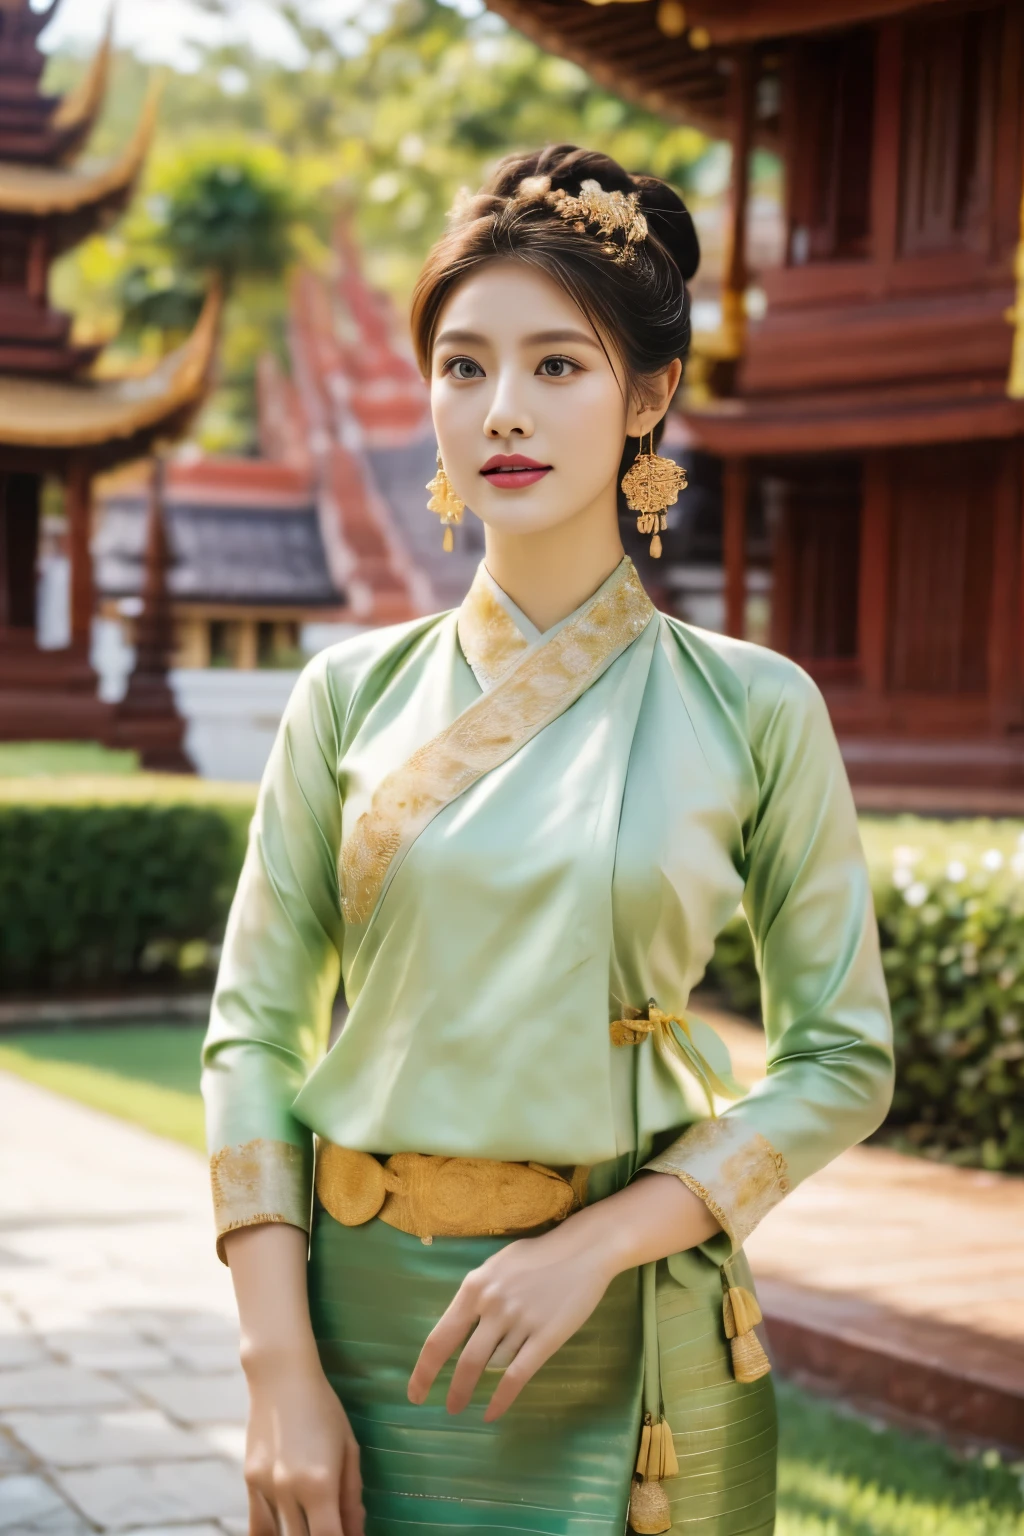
[652, 483]
[607, 212]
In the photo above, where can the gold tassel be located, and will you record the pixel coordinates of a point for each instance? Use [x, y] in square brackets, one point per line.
[649, 1512]
[448, 542]
[741, 1314]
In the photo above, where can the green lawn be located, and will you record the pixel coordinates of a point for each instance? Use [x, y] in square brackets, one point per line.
[147, 1073]
[838, 1476]
[32, 759]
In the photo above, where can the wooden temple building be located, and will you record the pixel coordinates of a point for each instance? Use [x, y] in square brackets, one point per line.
[867, 422]
[59, 421]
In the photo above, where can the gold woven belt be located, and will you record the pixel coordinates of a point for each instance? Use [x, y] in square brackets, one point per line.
[430, 1197]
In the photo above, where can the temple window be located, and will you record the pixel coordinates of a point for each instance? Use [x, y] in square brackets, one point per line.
[223, 643]
[949, 108]
[813, 510]
[829, 113]
[942, 559]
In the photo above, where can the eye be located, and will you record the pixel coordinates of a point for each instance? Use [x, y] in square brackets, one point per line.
[463, 368]
[558, 368]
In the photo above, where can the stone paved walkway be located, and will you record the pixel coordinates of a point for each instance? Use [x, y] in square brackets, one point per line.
[121, 1401]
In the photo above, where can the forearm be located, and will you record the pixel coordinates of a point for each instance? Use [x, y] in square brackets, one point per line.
[268, 1271]
[651, 1218]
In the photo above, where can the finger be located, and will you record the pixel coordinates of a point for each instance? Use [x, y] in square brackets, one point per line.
[507, 1350]
[290, 1519]
[441, 1343]
[261, 1515]
[526, 1364]
[353, 1515]
[322, 1516]
[484, 1340]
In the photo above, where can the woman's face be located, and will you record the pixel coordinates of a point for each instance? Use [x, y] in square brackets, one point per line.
[530, 414]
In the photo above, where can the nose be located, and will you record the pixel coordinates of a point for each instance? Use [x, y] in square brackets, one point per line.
[508, 416]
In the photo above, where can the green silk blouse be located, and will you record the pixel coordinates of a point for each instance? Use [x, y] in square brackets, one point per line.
[504, 842]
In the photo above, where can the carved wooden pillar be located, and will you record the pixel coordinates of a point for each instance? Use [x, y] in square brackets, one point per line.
[147, 716]
[735, 487]
[734, 256]
[875, 575]
[78, 504]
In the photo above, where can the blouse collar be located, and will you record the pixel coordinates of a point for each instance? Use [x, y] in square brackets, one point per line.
[494, 631]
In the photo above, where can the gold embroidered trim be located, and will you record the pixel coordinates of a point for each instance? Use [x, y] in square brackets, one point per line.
[259, 1182]
[735, 1171]
[546, 680]
[489, 636]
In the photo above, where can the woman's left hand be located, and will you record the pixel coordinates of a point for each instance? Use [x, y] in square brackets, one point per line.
[519, 1307]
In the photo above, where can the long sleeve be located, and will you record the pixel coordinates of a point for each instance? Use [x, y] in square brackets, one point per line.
[826, 1013]
[278, 975]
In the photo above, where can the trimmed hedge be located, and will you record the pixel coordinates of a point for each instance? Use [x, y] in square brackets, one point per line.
[950, 906]
[115, 880]
[108, 880]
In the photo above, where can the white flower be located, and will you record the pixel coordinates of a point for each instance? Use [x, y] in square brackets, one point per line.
[955, 870]
[903, 854]
[992, 859]
[916, 895]
[902, 877]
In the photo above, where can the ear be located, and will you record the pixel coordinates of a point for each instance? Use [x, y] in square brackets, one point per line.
[660, 387]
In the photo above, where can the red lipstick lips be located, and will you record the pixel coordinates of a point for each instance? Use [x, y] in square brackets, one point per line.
[513, 471]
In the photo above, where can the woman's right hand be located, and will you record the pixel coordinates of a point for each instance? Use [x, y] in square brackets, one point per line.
[301, 1457]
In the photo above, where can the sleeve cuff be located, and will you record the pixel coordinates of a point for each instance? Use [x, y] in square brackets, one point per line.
[260, 1182]
[736, 1173]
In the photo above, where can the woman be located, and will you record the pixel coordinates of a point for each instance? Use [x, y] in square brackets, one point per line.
[514, 831]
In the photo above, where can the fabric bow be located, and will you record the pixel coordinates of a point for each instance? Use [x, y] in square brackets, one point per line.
[674, 1040]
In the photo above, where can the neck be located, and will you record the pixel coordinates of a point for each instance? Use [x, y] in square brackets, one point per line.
[550, 573]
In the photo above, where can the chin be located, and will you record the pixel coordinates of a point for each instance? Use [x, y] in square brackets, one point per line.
[517, 515]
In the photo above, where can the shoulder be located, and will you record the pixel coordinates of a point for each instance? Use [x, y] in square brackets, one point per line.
[765, 690]
[356, 669]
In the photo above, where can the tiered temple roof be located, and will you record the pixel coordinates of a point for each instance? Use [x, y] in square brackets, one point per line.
[49, 203]
[116, 419]
[57, 419]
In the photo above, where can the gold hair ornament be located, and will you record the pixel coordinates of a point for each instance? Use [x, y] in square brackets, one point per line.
[444, 501]
[652, 483]
[607, 212]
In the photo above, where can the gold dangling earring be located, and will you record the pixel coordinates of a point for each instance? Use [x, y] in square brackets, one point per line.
[651, 484]
[448, 506]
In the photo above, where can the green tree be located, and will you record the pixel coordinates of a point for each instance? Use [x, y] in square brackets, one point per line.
[392, 111]
[227, 212]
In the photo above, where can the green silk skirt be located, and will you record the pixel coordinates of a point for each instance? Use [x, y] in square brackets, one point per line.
[560, 1462]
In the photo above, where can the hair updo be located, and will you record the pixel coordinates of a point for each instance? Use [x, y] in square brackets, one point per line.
[632, 290]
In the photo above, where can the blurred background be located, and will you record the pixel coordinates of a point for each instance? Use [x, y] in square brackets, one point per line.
[214, 446]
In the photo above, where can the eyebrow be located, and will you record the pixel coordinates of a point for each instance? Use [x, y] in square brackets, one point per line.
[538, 338]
